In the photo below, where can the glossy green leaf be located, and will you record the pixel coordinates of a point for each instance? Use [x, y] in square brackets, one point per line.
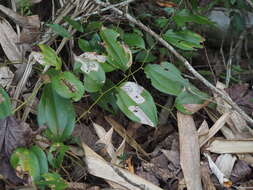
[134, 40]
[26, 161]
[5, 104]
[185, 39]
[50, 56]
[42, 158]
[137, 103]
[57, 113]
[58, 29]
[118, 55]
[75, 24]
[84, 45]
[54, 181]
[94, 75]
[67, 85]
[189, 96]
[165, 78]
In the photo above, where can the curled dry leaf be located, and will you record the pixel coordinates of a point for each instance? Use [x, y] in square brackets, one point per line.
[216, 171]
[30, 24]
[225, 162]
[8, 40]
[12, 135]
[122, 132]
[97, 166]
[23, 21]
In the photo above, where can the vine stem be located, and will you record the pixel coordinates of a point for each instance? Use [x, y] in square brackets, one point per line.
[181, 58]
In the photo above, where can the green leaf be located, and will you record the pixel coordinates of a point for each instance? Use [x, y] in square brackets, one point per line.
[58, 29]
[42, 158]
[5, 104]
[54, 181]
[134, 40]
[145, 57]
[84, 45]
[57, 113]
[108, 101]
[161, 22]
[94, 74]
[185, 16]
[93, 26]
[26, 161]
[165, 78]
[75, 24]
[185, 39]
[50, 56]
[56, 154]
[118, 55]
[189, 96]
[137, 103]
[66, 84]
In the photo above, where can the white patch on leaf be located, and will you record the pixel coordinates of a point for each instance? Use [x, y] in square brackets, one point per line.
[134, 91]
[138, 112]
[38, 57]
[87, 67]
[92, 56]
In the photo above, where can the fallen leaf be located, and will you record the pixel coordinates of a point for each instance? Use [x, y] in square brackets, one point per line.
[122, 132]
[189, 151]
[217, 172]
[97, 166]
[225, 162]
[8, 40]
[221, 146]
[242, 96]
[13, 134]
[6, 77]
[240, 171]
[164, 3]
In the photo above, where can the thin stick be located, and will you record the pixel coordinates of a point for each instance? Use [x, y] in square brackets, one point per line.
[182, 59]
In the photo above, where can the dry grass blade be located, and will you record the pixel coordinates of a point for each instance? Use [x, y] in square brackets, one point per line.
[97, 166]
[222, 146]
[189, 151]
[123, 133]
[215, 128]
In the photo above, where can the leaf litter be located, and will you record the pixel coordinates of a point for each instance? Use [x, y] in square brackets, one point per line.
[128, 156]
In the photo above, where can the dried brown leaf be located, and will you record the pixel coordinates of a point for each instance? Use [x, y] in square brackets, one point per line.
[189, 151]
[241, 95]
[221, 146]
[240, 171]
